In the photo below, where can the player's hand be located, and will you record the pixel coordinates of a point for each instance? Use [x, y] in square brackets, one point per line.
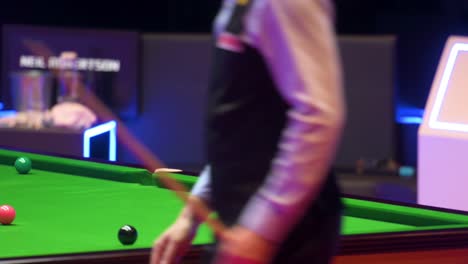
[239, 245]
[171, 246]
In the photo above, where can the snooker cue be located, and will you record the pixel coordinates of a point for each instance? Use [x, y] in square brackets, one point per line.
[140, 151]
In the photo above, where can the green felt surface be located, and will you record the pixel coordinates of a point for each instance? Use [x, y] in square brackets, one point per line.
[356, 225]
[69, 206]
[59, 213]
[81, 167]
[367, 217]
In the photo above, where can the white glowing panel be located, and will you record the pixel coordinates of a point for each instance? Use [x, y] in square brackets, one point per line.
[443, 134]
[110, 127]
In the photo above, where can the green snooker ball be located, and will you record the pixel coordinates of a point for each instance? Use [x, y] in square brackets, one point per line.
[23, 165]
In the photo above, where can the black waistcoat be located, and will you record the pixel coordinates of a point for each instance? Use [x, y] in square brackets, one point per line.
[245, 118]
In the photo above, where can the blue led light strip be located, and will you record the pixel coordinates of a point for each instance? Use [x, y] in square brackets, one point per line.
[6, 113]
[110, 127]
[409, 120]
[442, 91]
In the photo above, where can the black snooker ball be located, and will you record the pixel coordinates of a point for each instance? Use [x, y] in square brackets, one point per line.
[127, 235]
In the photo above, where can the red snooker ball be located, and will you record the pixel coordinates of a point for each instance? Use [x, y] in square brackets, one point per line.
[7, 214]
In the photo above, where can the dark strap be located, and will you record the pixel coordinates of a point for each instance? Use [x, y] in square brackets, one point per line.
[235, 25]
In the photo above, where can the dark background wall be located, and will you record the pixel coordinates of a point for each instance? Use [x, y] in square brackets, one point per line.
[421, 26]
[174, 76]
[175, 70]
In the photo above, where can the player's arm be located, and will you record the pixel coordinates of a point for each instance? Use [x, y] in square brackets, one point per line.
[297, 39]
[200, 193]
[174, 242]
[202, 188]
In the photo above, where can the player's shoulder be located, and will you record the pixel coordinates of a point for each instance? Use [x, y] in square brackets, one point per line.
[294, 9]
[295, 5]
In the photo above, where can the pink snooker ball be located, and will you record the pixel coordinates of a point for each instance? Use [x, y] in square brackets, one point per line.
[7, 214]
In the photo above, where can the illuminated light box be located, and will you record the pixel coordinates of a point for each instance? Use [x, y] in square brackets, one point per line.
[443, 134]
[109, 127]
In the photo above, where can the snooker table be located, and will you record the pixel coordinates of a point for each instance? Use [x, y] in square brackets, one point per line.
[70, 210]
